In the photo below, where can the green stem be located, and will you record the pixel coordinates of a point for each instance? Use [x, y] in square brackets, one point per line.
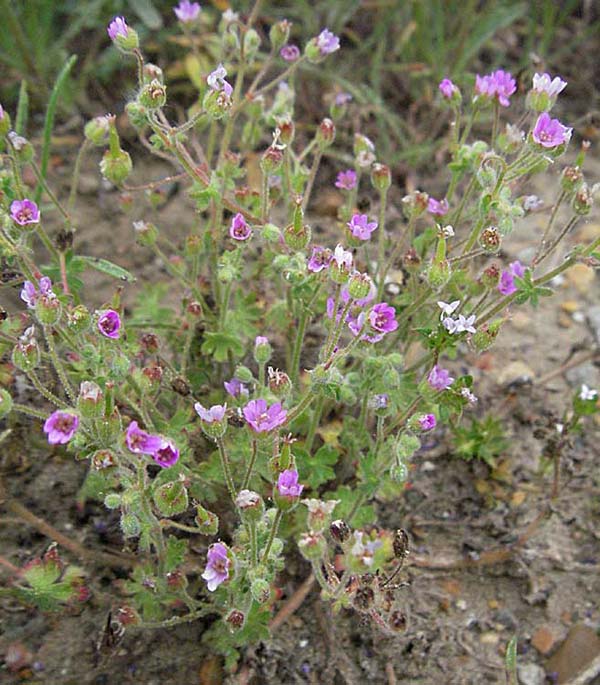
[51, 397]
[272, 534]
[226, 469]
[311, 178]
[30, 411]
[62, 375]
[250, 468]
[381, 246]
[76, 173]
[314, 423]
[542, 245]
[298, 342]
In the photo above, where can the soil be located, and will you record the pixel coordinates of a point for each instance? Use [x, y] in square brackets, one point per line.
[458, 619]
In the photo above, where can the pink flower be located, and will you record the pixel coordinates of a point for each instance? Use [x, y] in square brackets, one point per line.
[216, 81]
[24, 212]
[382, 318]
[427, 422]
[214, 414]
[342, 99]
[60, 427]
[437, 207]
[290, 53]
[29, 294]
[262, 418]
[118, 27]
[506, 285]
[439, 379]
[187, 11]
[500, 84]
[342, 258]
[550, 133]
[544, 83]
[140, 442]
[360, 227]
[167, 454]
[236, 388]
[109, 323]
[217, 567]
[447, 88]
[239, 228]
[346, 180]
[327, 42]
[287, 484]
[319, 259]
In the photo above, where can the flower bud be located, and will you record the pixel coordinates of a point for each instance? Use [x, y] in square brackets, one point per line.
[153, 72]
[339, 531]
[153, 95]
[260, 590]
[48, 309]
[490, 239]
[235, 620]
[279, 382]
[6, 403]
[216, 103]
[414, 204]
[271, 160]
[116, 166]
[359, 285]
[146, 233]
[381, 177]
[297, 238]
[91, 400]
[312, 545]
[279, 34]
[286, 131]
[399, 472]
[571, 179]
[79, 319]
[485, 336]
[171, 498]
[26, 354]
[207, 522]
[438, 274]
[325, 133]
[271, 233]
[491, 277]
[96, 131]
[130, 525]
[122, 35]
[250, 504]
[112, 500]
[262, 349]
[4, 122]
[103, 460]
[583, 200]
[251, 44]
[137, 115]
[21, 146]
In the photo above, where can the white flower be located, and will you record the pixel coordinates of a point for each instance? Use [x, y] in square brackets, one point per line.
[532, 202]
[448, 309]
[559, 427]
[364, 552]
[464, 324]
[450, 324]
[229, 15]
[343, 258]
[468, 395]
[448, 232]
[542, 83]
[587, 393]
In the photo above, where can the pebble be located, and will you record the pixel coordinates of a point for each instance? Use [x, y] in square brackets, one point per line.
[544, 639]
[593, 317]
[581, 277]
[514, 371]
[507, 619]
[520, 321]
[531, 674]
[580, 647]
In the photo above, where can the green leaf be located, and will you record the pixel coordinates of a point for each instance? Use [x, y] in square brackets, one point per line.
[176, 550]
[363, 516]
[316, 469]
[219, 345]
[147, 13]
[108, 268]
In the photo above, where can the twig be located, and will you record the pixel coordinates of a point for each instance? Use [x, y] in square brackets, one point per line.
[293, 603]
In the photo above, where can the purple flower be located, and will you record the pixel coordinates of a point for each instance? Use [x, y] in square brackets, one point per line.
[327, 42]
[262, 418]
[167, 454]
[360, 226]
[468, 395]
[236, 388]
[447, 88]
[506, 285]
[342, 99]
[427, 422]
[544, 83]
[439, 379]
[346, 180]
[500, 84]
[118, 27]
[24, 212]
[261, 340]
[140, 442]
[29, 294]
[109, 323]
[550, 133]
[290, 53]
[60, 427]
[239, 228]
[187, 11]
[437, 207]
[380, 401]
[287, 484]
[319, 259]
[214, 414]
[1, 113]
[216, 81]
[382, 318]
[217, 567]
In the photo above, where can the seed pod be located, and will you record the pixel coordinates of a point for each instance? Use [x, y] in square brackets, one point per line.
[339, 531]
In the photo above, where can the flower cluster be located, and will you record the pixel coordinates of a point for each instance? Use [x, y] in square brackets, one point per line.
[499, 85]
[461, 324]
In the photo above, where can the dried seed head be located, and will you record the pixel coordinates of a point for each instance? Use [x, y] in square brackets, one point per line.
[339, 531]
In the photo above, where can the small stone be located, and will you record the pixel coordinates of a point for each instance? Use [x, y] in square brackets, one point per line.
[544, 640]
[588, 233]
[593, 317]
[578, 317]
[489, 638]
[581, 277]
[507, 619]
[517, 370]
[493, 603]
[531, 674]
[461, 605]
[564, 320]
[520, 321]
[580, 647]
[569, 306]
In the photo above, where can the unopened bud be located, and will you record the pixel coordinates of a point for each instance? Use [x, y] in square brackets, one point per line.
[153, 95]
[297, 239]
[583, 200]
[260, 590]
[279, 34]
[414, 204]
[325, 133]
[116, 166]
[137, 114]
[484, 338]
[146, 233]
[312, 545]
[359, 285]
[207, 522]
[381, 177]
[91, 399]
[438, 274]
[251, 43]
[130, 525]
[96, 131]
